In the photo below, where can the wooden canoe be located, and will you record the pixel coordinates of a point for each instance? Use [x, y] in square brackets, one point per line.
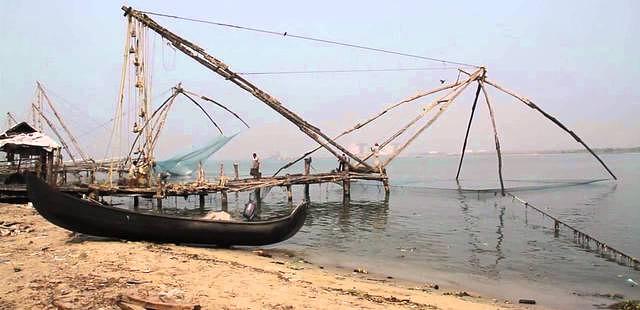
[92, 218]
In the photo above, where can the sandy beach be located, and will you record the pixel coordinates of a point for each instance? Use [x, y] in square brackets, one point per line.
[46, 267]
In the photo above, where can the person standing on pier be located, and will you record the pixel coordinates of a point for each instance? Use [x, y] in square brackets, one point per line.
[376, 157]
[343, 161]
[255, 166]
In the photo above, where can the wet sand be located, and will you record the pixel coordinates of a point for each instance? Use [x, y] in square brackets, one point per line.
[46, 267]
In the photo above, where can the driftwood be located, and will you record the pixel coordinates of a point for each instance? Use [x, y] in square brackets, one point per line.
[495, 135]
[552, 119]
[200, 55]
[147, 304]
[466, 136]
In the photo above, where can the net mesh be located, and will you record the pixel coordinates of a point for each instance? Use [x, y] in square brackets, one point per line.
[185, 164]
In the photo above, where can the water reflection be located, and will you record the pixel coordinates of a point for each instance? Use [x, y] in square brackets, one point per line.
[478, 249]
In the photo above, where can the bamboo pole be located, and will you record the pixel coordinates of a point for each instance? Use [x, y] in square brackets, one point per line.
[466, 136]
[203, 110]
[170, 99]
[443, 108]
[55, 131]
[74, 142]
[371, 119]
[495, 135]
[200, 55]
[11, 119]
[218, 104]
[426, 110]
[552, 119]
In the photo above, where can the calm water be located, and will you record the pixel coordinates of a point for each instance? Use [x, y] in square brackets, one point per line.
[430, 232]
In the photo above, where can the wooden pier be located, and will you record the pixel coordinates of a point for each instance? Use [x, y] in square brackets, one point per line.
[201, 187]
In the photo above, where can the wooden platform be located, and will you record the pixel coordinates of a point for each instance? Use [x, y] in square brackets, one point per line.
[219, 185]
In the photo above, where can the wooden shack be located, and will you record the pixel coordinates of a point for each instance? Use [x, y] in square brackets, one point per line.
[25, 149]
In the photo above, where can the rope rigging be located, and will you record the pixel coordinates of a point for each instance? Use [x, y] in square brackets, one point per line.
[347, 71]
[308, 38]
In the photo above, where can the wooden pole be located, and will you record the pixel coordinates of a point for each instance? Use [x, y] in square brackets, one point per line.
[385, 184]
[495, 135]
[289, 194]
[218, 104]
[307, 170]
[224, 201]
[552, 119]
[236, 171]
[136, 202]
[74, 142]
[449, 100]
[49, 169]
[201, 202]
[200, 55]
[257, 194]
[371, 119]
[55, 131]
[346, 184]
[466, 136]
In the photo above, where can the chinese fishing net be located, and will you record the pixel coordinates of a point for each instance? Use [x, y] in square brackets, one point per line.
[185, 164]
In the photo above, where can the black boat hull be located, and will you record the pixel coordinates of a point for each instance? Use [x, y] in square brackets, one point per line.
[91, 218]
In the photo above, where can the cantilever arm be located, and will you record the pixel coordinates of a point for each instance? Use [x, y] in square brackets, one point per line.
[552, 119]
[204, 111]
[218, 104]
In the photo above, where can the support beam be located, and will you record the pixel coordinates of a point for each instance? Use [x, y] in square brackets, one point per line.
[495, 135]
[443, 108]
[346, 185]
[201, 202]
[55, 131]
[75, 143]
[445, 99]
[466, 136]
[307, 170]
[236, 171]
[200, 55]
[371, 119]
[289, 194]
[224, 201]
[552, 119]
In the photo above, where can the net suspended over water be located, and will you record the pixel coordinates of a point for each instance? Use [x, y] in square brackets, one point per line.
[185, 164]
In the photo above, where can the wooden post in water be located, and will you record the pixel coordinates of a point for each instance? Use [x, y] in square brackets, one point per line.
[201, 204]
[289, 194]
[346, 184]
[307, 170]
[256, 192]
[223, 200]
[466, 136]
[136, 202]
[159, 203]
[385, 184]
[236, 171]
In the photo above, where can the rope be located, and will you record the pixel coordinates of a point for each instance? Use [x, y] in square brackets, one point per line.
[287, 34]
[584, 239]
[346, 71]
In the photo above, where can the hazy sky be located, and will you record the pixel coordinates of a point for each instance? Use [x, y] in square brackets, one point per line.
[578, 60]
